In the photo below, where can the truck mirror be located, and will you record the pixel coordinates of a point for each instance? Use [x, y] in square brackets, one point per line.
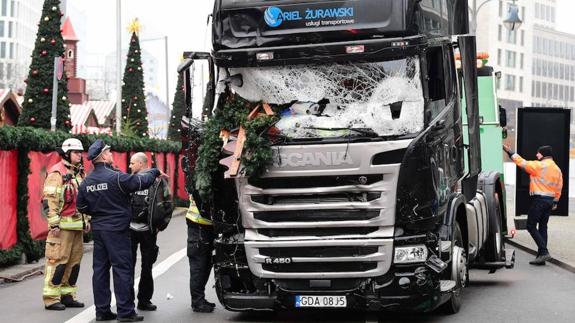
[502, 117]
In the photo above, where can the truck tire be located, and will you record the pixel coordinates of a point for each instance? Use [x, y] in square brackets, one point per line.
[494, 244]
[459, 272]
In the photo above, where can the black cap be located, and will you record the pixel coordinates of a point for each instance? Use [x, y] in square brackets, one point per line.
[96, 149]
[546, 151]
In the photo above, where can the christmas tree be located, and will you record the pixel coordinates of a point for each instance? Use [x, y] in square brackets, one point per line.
[37, 105]
[134, 112]
[178, 111]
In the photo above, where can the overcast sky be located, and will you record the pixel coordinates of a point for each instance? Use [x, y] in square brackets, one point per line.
[184, 22]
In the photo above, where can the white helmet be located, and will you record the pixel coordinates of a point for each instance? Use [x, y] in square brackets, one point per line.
[72, 144]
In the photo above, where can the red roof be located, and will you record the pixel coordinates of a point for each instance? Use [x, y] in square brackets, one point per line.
[68, 31]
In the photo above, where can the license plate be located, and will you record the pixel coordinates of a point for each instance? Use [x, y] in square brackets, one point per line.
[320, 301]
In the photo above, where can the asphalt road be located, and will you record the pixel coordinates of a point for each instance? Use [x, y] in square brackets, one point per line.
[523, 294]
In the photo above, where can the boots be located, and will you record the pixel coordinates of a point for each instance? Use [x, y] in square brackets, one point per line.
[204, 307]
[56, 307]
[69, 301]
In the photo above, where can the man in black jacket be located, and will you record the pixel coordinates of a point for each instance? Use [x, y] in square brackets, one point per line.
[144, 236]
[105, 195]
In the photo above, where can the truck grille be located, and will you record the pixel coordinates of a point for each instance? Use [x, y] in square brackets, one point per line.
[318, 252]
[356, 267]
[316, 215]
[308, 221]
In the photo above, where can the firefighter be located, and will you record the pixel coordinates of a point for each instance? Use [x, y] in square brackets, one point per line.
[200, 247]
[105, 196]
[64, 244]
[546, 182]
[145, 236]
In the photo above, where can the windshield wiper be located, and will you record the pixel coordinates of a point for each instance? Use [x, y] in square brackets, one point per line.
[367, 132]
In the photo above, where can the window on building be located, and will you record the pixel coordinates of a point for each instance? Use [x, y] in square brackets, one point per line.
[8, 71]
[544, 68]
[499, 32]
[521, 57]
[1, 28]
[11, 50]
[10, 29]
[572, 96]
[4, 8]
[521, 84]
[2, 71]
[511, 36]
[510, 82]
[543, 90]
[13, 8]
[555, 91]
[537, 11]
[499, 56]
[500, 8]
[556, 70]
[552, 15]
[537, 86]
[510, 58]
[2, 49]
[562, 71]
[560, 92]
[522, 37]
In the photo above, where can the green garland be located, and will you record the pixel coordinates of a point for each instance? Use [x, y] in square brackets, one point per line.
[27, 139]
[257, 152]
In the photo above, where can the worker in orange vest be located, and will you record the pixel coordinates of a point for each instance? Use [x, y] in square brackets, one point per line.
[546, 182]
[64, 244]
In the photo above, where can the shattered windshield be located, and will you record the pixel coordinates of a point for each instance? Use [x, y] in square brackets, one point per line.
[381, 99]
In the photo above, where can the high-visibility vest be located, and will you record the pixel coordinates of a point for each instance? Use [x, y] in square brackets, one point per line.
[545, 176]
[194, 215]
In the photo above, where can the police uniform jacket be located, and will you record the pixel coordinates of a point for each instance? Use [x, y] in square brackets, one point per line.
[105, 195]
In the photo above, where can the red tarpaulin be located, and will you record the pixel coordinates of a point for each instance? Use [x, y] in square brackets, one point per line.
[8, 198]
[40, 163]
[171, 170]
[161, 161]
[120, 161]
[182, 194]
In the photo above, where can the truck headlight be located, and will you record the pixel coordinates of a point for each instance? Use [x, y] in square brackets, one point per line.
[410, 254]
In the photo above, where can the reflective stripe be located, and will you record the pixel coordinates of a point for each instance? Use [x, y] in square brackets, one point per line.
[52, 190]
[543, 194]
[48, 289]
[69, 223]
[193, 214]
[68, 290]
[53, 220]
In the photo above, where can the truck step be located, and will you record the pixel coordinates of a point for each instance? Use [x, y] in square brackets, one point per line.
[446, 285]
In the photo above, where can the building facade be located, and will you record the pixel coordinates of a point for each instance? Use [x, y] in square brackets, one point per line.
[537, 62]
[18, 27]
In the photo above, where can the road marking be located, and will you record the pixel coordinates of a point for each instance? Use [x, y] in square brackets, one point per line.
[89, 314]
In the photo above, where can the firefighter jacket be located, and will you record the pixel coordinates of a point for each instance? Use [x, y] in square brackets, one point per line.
[59, 197]
[194, 215]
[105, 195]
[545, 176]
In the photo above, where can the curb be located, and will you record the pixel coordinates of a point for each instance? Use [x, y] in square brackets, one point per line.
[39, 268]
[554, 261]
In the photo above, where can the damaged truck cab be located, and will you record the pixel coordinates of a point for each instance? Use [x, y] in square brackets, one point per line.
[374, 198]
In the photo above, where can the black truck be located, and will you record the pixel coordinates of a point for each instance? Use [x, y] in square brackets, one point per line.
[374, 198]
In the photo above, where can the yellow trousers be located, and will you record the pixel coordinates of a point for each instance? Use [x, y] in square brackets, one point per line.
[63, 257]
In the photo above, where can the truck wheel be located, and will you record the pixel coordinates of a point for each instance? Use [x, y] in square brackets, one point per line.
[494, 246]
[459, 272]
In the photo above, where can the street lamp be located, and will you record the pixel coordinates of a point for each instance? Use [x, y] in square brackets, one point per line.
[512, 22]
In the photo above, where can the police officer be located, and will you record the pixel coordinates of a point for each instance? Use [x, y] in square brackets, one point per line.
[105, 195]
[64, 245]
[200, 247]
[546, 182]
[144, 236]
